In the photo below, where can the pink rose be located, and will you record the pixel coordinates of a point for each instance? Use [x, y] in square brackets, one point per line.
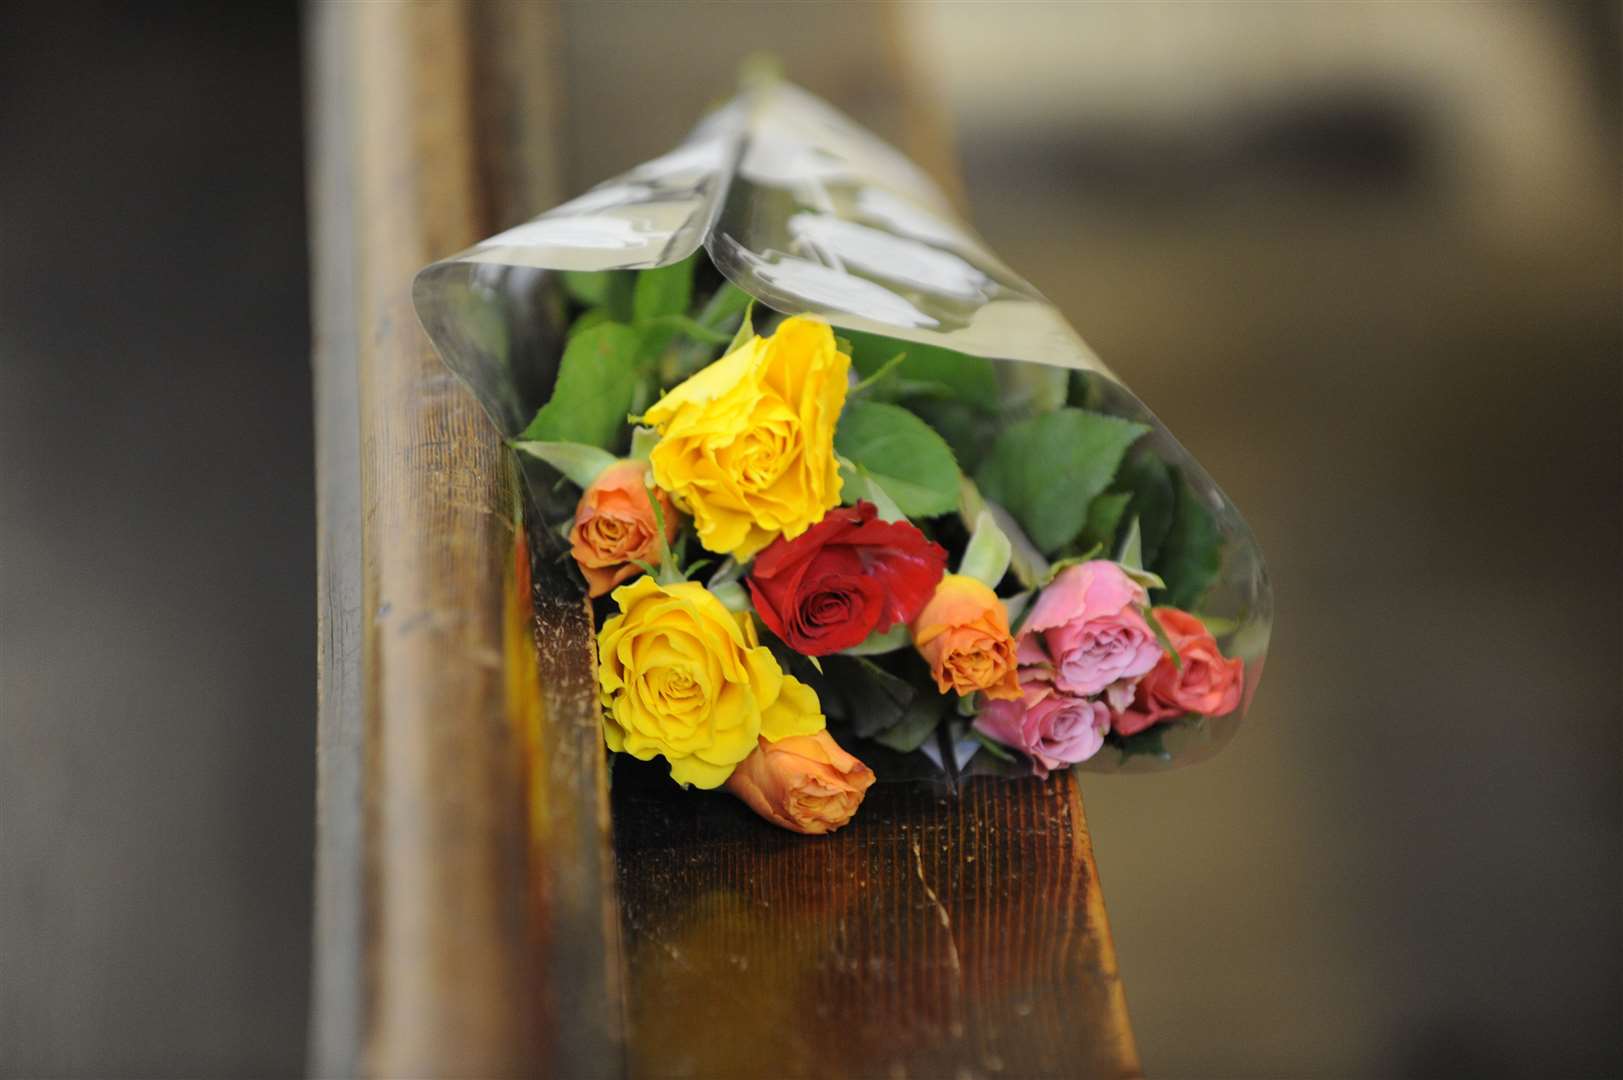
[1208, 684]
[1087, 628]
[1051, 728]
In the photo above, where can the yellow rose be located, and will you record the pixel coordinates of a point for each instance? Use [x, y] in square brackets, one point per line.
[747, 444]
[682, 677]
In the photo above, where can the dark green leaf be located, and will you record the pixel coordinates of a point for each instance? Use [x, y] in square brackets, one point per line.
[1047, 470]
[1151, 742]
[876, 699]
[902, 454]
[1192, 553]
[1104, 518]
[927, 368]
[1150, 482]
[859, 691]
[968, 431]
[594, 389]
[915, 727]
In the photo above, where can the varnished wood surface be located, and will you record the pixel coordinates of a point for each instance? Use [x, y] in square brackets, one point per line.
[939, 935]
[467, 916]
[464, 871]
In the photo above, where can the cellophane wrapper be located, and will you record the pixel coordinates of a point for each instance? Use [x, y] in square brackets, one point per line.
[810, 214]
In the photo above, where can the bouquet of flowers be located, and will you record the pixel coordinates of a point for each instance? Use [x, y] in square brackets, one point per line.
[827, 468]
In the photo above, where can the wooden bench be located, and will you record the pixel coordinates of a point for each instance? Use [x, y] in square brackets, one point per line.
[483, 906]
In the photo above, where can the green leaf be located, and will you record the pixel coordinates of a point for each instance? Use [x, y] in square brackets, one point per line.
[1148, 743]
[588, 319]
[1028, 390]
[867, 696]
[580, 463]
[986, 557]
[1192, 553]
[730, 593]
[885, 369]
[1131, 553]
[609, 289]
[746, 328]
[967, 430]
[1218, 626]
[585, 286]
[959, 376]
[1161, 635]
[643, 441]
[858, 484]
[992, 746]
[1146, 578]
[1014, 608]
[1049, 469]
[666, 290]
[1104, 518]
[876, 643]
[1150, 482]
[596, 381]
[914, 728]
[718, 318]
[659, 303]
[670, 566]
[1151, 742]
[1025, 560]
[902, 454]
[727, 305]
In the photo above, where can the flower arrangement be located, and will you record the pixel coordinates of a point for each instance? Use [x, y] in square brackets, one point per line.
[898, 513]
[783, 532]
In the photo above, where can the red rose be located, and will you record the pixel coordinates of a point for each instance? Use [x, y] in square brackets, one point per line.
[1208, 685]
[844, 578]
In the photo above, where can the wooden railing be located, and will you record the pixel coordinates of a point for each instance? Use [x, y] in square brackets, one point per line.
[481, 907]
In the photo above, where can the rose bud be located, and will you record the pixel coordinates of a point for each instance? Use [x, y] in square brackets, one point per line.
[1208, 685]
[1052, 729]
[805, 783]
[843, 579]
[964, 634]
[615, 527]
[1087, 628]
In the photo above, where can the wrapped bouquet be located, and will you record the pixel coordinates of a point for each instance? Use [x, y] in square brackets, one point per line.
[840, 484]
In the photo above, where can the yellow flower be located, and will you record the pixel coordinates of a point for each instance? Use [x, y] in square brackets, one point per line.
[682, 677]
[747, 444]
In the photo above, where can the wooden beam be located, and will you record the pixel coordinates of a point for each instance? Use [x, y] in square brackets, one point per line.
[940, 934]
[462, 918]
[467, 921]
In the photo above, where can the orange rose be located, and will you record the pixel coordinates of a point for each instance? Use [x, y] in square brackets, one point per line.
[805, 783]
[964, 633]
[615, 527]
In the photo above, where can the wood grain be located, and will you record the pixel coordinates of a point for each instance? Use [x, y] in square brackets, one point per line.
[939, 935]
[472, 917]
[461, 921]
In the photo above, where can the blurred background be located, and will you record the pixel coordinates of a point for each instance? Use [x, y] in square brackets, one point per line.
[1365, 260]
